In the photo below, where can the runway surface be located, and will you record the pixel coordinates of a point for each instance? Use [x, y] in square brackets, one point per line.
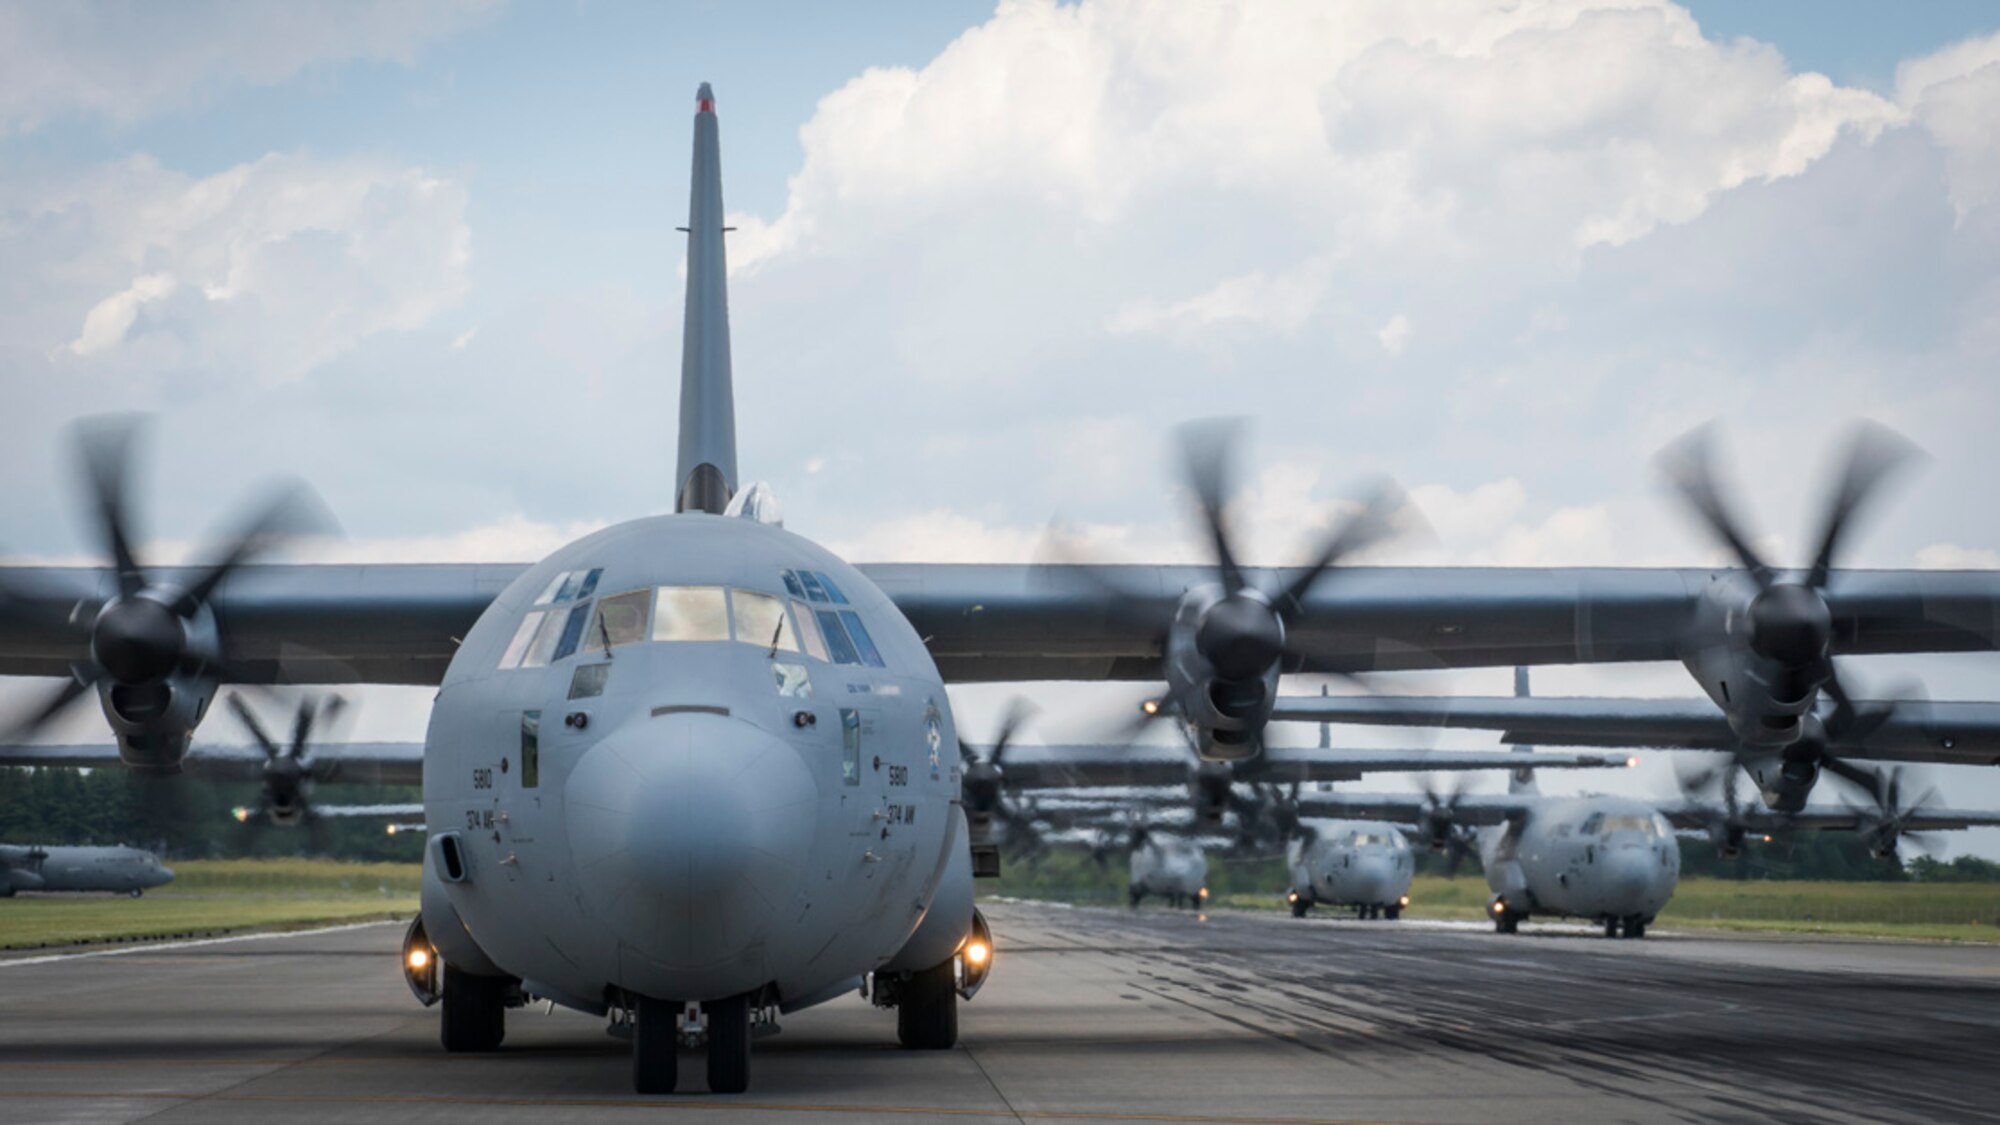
[1092, 1015]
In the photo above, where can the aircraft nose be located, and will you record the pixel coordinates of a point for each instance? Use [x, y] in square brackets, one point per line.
[1372, 879]
[162, 874]
[1629, 874]
[690, 833]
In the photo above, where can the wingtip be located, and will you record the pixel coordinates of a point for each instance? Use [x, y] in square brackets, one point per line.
[704, 99]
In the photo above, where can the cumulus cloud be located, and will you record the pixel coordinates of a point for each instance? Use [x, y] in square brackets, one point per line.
[1955, 94]
[126, 59]
[263, 270]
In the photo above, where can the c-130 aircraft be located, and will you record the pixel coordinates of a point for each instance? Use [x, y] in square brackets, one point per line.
[696, 761]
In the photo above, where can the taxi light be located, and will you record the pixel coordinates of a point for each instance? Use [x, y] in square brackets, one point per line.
[1150, 707]
[1404, 901]
[1202, 893]
[241, 814]
[1499, 908]
[391, 830]
[1632, 763]
[1291, 896]
[420, 959]
[1767, 839]
[977, 953]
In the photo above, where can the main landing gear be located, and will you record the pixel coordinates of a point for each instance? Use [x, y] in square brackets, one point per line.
[927, 1009]
[656, 1043]
[1631, 926]
[475, 1011]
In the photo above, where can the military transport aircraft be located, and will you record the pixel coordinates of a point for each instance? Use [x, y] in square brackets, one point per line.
[1365, 864]
[1615, 860]
[695, 759]
[120, 870]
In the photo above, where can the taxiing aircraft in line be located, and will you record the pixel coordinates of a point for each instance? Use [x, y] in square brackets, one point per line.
[119, 870]
[695, 762]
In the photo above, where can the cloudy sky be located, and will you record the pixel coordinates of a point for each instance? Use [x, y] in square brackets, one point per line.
[424, 257]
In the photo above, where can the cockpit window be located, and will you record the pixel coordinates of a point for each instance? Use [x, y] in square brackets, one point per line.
[863, 643]
[572, 631]
[1591, 825]
[620, 620]
[836, 638]
[690, 613]
[523, 635]
[793, 585]
[1638, 822]
[808, 626]
[832, 591]
[570, 585]
[814, 591]
[761, 620]
[548, 638]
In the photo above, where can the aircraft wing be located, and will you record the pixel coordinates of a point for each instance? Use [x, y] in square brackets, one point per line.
[1472, 808]
[362, 763]
[1925, 818]
[399, 623]
[1144, 764]
[1959, 732]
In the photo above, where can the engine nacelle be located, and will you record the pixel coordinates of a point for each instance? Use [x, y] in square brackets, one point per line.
[1784, 779]
[1765, 699]
[1226, 717]
[154, 722]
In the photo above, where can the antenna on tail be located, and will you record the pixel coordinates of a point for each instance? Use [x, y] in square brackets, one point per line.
[705, 478]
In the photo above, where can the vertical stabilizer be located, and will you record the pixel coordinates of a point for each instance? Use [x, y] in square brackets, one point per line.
[705, 478]
[1523, 779]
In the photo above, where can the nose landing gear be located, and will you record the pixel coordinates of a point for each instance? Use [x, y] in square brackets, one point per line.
[656, 1037]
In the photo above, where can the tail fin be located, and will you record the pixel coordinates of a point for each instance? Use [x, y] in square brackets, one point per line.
[705, 479]
[1523, 779]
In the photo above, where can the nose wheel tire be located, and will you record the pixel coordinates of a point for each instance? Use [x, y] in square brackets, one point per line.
[475, 1012]
[655, 1039]
[1300, 907]
[729, 1044]
[927, 1014]
[1392, 912]
[1635, 927]
[1611, 927]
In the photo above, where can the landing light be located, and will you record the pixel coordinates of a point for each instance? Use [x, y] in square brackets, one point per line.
[241, 814]
[1150, 707]
[391, 830]
[1291, 896]
[1632, 763]
[1767, 839]
[1404, 901]
[1202, 893]
[1499, 908]
[420, 959]
[977, 953]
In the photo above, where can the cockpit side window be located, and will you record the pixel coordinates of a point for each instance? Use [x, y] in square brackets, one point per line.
[572, 631]
[814, 591]
[690, 613]
[1591, 825]
[620, 620]
[523, 636]
[863, 643]
[836, 638]
[543, 648]
[761, 620]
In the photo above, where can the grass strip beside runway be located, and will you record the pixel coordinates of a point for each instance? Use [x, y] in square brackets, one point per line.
[211, 897]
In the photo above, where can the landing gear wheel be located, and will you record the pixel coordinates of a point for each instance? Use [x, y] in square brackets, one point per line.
[1635, 927]
[655, 1041]
[1507, 922]
[475, 1012]
[1137, 894]
[927, 1014]
[1392, 912]
[729, 1043]
[1300, 906]
[1611, 927]
[135, 892]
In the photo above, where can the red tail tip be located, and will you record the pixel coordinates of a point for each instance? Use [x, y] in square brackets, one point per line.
[704, 99]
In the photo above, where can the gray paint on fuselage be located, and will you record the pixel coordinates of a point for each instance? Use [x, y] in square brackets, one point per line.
[1351, 863]
[28, 867]
[685, 854]
[1169, 866]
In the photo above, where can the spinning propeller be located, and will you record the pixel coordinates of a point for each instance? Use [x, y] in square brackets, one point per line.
[1439, 821]
[1726, 826]
[150, 630]
[1881, 824]
[1788, 619]
[983, 779]
[287, 768]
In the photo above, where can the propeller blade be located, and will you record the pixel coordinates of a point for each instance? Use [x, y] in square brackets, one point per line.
[1019, 711]
[302, 724]
[291, 510]
[250, 723]
[1206, 449]
[54, 704]
[1688, 465]
[105, 445]
[1374, 523]
[1873, 454]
